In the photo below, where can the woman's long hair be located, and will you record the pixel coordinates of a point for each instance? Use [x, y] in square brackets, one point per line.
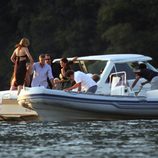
[24, 42]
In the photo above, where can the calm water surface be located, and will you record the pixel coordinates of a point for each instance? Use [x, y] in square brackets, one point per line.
[138, 138]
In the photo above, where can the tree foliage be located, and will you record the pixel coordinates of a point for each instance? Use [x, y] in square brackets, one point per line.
[76, 28]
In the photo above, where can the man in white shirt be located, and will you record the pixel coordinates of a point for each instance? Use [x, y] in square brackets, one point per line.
[42, 71]
[83, 81]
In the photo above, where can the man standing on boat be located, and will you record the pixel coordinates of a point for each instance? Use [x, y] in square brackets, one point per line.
[83, 81]
[55, 67]
[42, 71]
[150, 76]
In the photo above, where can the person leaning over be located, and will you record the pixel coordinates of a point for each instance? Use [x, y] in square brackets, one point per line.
[19, 58]
[41, 71]
[83, 82]
[150, 75]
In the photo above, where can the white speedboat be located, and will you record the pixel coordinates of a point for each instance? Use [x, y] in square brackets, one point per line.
[55, 105]
[11, 110]
[113, 99]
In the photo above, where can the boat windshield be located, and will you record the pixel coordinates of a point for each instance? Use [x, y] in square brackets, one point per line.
[95, 66]
[129, 68]
[149, 66]
[135, 65]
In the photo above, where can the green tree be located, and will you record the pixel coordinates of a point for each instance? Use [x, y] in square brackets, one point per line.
[129, 26]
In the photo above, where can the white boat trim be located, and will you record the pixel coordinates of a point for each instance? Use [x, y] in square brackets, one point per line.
[114, 57]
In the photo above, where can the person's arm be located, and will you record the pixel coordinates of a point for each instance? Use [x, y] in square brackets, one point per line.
[29, 55]
[63, 72]
[30, 69]
[13, 57]
[52, 82]
[77, 85]
[143, 83]
[135, 82]
[50, 75]
[74, 59]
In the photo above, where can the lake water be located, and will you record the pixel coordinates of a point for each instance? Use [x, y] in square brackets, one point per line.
[123, 139]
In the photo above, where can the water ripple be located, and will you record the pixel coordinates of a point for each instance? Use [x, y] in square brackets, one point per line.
[137, 138]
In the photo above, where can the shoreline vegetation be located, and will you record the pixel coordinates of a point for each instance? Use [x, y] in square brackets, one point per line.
[76, 28]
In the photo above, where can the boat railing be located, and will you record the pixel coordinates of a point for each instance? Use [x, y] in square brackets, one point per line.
[118, 78]
[118, 83]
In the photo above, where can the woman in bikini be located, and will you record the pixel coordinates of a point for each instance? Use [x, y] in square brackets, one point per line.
[19, 58]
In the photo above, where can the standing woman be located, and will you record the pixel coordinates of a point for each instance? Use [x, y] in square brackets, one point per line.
[19, 58]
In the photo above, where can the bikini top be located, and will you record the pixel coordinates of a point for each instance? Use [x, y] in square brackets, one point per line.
[18, 57]
[21, 56]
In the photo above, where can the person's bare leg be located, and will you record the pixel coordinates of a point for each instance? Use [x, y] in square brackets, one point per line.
[19, 89]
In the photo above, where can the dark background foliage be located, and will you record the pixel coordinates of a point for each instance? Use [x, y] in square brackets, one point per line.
[77, 28]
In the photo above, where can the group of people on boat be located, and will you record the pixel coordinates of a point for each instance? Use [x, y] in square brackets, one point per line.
[47, 74]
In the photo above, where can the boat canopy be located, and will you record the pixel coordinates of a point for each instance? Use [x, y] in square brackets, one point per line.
[116, 58]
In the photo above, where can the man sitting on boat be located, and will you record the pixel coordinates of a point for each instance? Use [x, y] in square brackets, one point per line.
[150, 75]
[83, 81]
[41, 71]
